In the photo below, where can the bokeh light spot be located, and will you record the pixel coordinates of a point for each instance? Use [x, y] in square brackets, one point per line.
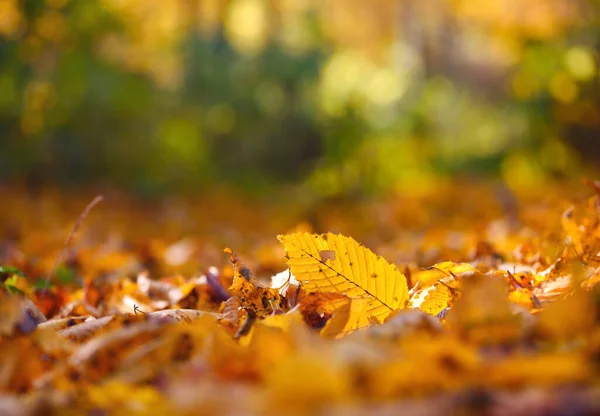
[580, 63]
[246, 26]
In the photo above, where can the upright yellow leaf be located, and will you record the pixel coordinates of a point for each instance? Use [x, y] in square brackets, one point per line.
[338, 264]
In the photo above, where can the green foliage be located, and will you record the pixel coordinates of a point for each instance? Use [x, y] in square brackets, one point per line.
[8, 271]
[65, 276]
[9, 276]
[95, 92]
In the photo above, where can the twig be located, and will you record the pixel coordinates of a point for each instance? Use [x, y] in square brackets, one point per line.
[137, 309]
[84, 214]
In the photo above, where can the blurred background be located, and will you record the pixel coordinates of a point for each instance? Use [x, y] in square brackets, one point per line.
[338, 97]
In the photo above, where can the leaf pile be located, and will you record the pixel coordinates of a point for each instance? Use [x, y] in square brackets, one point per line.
[501, 317]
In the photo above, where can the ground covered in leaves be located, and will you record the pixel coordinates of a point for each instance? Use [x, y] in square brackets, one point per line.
[470, 299]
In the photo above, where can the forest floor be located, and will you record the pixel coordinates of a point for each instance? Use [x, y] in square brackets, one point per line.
[469, 298]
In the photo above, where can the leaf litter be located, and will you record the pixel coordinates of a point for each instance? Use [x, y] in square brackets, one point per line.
[463, 316]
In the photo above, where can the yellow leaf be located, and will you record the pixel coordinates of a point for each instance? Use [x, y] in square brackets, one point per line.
[437, 271]
[338, 264]
[426, 364]
[262, 300]
[313, 379]
[522, 297]
[483, 313]
[347, 318]
[541, 370]
[122, 398]
[571, 228]
[438, 297]
[568, 318]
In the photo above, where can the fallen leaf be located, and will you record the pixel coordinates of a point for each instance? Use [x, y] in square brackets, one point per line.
[355, 272]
